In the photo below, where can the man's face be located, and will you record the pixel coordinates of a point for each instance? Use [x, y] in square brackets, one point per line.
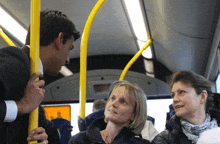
[62, 57]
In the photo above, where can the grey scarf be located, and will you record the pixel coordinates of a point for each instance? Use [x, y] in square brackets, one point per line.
[193, 131]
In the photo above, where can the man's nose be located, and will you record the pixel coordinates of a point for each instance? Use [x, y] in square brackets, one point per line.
[67, 60]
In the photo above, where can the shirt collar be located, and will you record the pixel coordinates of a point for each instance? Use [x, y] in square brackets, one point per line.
[40, 63]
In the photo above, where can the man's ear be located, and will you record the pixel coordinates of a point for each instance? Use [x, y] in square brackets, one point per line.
[59, 41]
[204, 95]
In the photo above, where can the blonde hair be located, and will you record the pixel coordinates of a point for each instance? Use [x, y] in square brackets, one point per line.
[140, 109]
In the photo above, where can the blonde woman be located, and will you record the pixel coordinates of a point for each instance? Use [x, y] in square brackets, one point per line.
[125, 117]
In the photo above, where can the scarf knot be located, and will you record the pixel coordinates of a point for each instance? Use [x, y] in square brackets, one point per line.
[193, 131]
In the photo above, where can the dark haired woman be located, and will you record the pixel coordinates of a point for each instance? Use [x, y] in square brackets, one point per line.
[195, 109]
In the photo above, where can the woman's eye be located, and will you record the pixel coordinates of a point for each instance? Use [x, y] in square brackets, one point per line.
[124, 102]
[172, 95]
[182, 91]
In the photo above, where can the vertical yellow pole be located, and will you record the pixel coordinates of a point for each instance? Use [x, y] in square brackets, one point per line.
[83, 57]
[5, 38]
[134, 59]
[34, 55]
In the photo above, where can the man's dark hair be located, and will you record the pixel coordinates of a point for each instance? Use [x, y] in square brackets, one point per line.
[53, 22]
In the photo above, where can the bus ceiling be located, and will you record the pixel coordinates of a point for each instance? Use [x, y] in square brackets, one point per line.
[185, 36]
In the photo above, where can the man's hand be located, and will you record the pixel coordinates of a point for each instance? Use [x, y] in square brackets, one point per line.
[33, 96]
[41, 136]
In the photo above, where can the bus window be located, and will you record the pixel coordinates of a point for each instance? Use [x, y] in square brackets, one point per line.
[60, 111]
[158, 109]
[218, 84]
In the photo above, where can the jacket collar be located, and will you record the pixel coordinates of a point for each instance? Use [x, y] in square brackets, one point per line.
[174, 122]
[93, 132]
[26, 50]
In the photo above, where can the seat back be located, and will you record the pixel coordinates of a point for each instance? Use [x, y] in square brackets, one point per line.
[95, 115]
[169, 115]
[64, 127]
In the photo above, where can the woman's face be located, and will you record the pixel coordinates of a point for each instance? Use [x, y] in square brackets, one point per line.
[120, 107]
[186, 102]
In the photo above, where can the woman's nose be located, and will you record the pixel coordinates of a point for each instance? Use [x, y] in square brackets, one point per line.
[115, 103]
[175, 99]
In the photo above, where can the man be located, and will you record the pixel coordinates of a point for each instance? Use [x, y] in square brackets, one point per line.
[98, 104]
[57, 34]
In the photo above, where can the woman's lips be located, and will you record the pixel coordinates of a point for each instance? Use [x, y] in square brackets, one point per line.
[178, 106]
[113, 111]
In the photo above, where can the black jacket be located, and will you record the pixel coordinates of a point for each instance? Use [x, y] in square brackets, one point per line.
[93, 136]
[175, 135]
[14, 75]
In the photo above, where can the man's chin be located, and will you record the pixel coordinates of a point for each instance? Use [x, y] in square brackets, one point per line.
[52, 73]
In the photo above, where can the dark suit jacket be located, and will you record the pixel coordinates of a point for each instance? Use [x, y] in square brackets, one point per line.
[14, 75]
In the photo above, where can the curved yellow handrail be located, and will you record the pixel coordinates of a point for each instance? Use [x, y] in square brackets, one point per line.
[6, 38]
[34, 55]
[83, 57]
[134, 59]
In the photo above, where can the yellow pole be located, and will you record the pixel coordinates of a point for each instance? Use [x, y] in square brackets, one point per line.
[134, 59]
[34, 55]
[83, 57]
[5, 38]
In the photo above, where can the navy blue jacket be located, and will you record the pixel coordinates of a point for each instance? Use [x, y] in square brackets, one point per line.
[175, 135]
[93, 136]
[14, 76]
